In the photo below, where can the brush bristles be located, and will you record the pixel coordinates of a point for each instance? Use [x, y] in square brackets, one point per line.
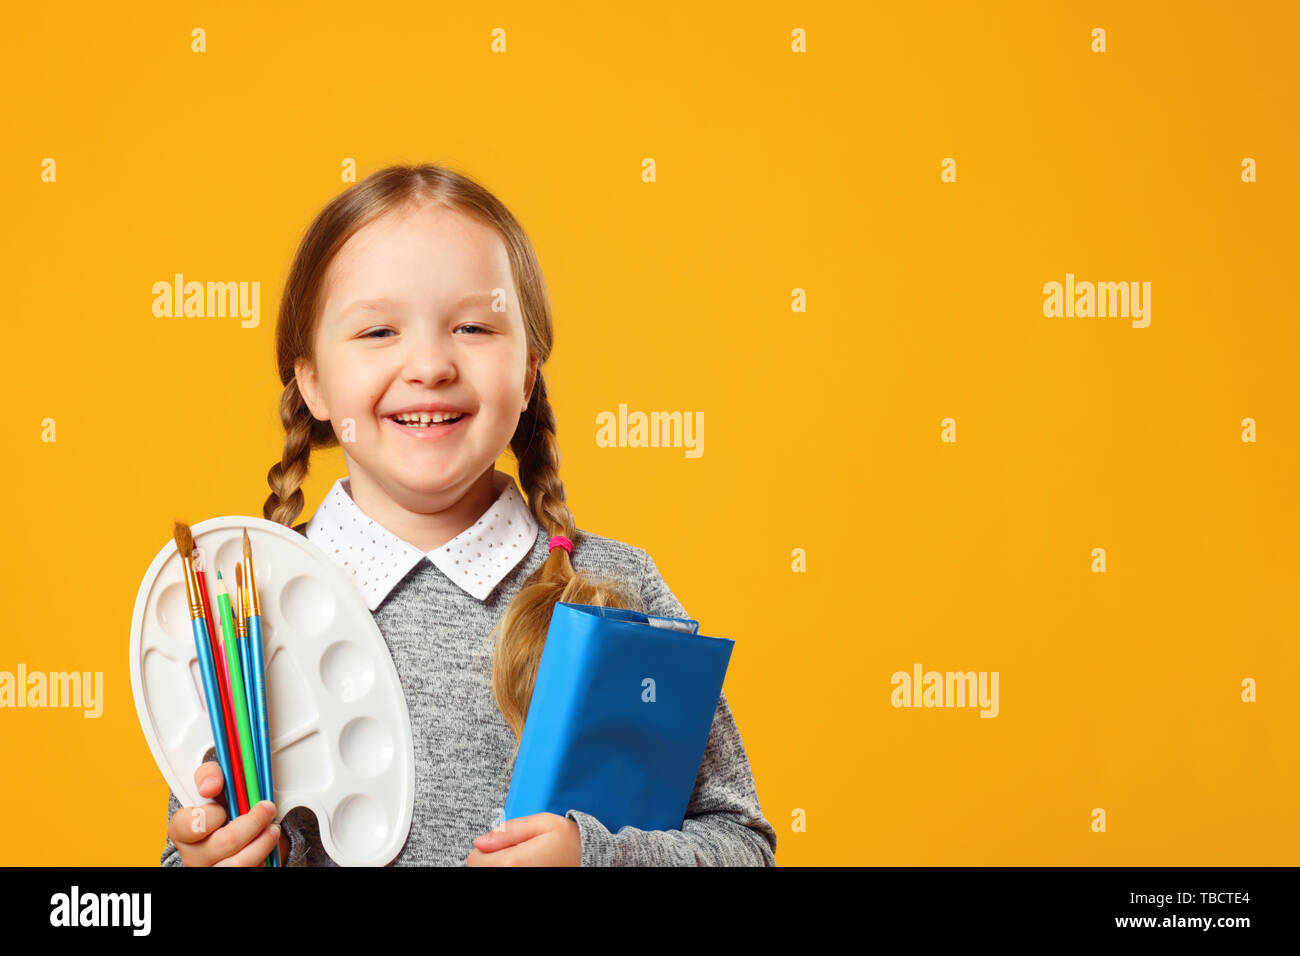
[239, 594]
[184, 538]
[248, 547]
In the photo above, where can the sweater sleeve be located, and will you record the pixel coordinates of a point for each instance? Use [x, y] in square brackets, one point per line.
[724, 824]
[170, 855]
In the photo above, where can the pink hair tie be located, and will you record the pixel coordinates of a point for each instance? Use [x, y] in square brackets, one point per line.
[560, 541]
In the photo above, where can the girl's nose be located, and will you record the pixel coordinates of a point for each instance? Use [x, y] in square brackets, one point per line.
[427, 361]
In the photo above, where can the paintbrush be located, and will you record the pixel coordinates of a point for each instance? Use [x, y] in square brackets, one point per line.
[203, 647]
[216, 639]
[246, 577]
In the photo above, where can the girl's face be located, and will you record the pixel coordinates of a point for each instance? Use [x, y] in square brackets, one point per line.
[408, 322]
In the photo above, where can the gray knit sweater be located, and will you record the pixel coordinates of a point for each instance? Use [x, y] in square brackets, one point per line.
[436, 634]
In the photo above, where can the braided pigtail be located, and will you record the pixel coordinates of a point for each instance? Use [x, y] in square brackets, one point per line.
[520, 635]
[301, 431]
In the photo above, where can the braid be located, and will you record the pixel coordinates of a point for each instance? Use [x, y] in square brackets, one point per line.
[520, 635]
[539, 465]
[286, 476]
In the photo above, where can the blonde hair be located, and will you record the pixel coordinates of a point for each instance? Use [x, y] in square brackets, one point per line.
[520, 634]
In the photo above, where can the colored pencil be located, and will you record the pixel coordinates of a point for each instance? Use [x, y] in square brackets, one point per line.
[240, 603]
[237, 684]
[246, 665]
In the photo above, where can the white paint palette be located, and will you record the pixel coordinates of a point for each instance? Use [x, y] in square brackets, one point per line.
[340, 730]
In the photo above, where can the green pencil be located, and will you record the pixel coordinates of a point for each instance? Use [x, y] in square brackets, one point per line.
[237, 691]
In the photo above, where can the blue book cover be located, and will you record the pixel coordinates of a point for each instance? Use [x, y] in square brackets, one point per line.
[619, 719]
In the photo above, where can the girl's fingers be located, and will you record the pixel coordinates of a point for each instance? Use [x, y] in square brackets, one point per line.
[209, 779]
[195, 824]
[235, 836]
[257, 851]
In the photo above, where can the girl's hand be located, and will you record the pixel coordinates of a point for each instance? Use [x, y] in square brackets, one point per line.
[543, 839]
[201, 839]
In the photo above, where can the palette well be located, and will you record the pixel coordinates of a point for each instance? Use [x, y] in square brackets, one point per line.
[340, 732]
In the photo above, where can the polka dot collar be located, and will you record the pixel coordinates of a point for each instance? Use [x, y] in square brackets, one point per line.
[377, 560]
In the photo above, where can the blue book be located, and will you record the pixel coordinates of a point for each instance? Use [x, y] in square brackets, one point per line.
[619, 719]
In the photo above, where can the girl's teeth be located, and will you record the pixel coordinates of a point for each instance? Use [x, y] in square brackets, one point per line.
[425, 420]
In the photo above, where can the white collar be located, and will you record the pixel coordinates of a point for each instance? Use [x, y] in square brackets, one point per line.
[377, 560]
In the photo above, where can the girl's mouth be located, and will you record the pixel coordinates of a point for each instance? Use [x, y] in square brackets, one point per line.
[427, 431]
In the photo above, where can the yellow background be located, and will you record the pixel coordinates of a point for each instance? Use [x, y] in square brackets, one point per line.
[776, 171]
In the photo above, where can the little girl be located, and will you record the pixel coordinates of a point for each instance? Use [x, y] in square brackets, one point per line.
[412, 329]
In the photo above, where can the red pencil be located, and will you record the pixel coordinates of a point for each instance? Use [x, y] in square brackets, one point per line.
[223, 679]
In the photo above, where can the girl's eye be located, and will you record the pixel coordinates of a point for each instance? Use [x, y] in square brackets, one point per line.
[377, 333]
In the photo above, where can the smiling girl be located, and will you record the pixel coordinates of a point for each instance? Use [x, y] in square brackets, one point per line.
[412, 332]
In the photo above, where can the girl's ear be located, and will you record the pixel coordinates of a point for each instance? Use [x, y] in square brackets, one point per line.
[305, 373]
